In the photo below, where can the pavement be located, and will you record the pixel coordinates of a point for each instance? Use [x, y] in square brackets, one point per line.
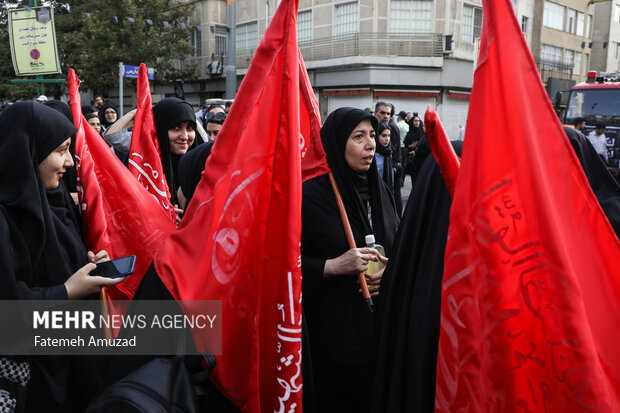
[405, 191]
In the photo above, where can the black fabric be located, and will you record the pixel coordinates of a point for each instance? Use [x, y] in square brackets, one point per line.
[190, 169]
[339, 324]
[601, 181]
[398, 168]
[422, 149]
[106, 105]
[386, 151]
[152, 288]
[168, 113]
[39, 241]
[28, 133]
[409, 311]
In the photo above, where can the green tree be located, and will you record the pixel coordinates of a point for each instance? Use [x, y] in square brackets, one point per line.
[92, 42]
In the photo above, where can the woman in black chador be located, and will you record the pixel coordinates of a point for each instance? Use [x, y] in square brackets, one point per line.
[338, 321]
[175, 122]
[41, 253]
[408, 314]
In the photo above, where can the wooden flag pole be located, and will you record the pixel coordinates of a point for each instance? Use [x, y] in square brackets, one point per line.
[347, 229]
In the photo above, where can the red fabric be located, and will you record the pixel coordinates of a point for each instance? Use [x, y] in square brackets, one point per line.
[531, 289]
[444, 153]
[118, 214]
[246, 212]
[144, 155]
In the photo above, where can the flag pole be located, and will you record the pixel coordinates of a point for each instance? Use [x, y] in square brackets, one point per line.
[107, 330]
[347, 229]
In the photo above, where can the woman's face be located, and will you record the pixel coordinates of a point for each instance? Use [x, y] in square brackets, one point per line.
[416, 122]
[384, 137]
[212, 130]
[110, 115]
[55, 165]
[181, 137]
[360, 147]
[95, 123]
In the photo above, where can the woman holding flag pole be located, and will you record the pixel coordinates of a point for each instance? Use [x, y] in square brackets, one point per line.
[339, 322]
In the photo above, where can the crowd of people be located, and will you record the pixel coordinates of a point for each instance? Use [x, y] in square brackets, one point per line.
[354, 359]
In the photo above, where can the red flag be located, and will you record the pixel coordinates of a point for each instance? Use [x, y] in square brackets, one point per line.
[444, 153]
[531, 289]
[118, 214]
[247, 212]
[144, 155]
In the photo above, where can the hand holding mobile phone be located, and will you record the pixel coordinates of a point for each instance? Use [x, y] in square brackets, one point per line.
[119, 267]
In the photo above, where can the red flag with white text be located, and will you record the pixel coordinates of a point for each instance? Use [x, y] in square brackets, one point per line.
[247, 212]
[531, 288]
[144, 155]
[118, 214]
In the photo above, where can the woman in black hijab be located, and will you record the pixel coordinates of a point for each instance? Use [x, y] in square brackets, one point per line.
[339, 324]
[34, 260]
[409, 310]
[175, 122]
[601, 181]
[384, 154]
[418, 147]
[108, 114]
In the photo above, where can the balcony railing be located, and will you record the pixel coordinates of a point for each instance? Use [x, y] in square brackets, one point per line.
[350, 45]
[364, 44]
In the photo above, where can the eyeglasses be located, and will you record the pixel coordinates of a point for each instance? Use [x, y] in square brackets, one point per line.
[220, 116]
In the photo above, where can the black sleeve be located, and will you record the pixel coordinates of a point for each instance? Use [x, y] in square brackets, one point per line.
[10, 287]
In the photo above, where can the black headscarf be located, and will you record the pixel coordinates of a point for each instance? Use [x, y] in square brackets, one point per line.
[407, 320]
[70, 177]
[28, 133]
[603, 185]
[334, 134]
[102, 118]
[190, 169]
[386, 151]
[168, 113]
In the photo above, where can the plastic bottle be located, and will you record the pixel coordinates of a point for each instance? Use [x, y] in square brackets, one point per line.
[374, 266]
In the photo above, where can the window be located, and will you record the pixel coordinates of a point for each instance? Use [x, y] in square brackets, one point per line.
[553, 16]
[411, 16]
[577, 65]
[221, 36]
[614, 50]
[569, 57]
[471, 26]
[346, 18]
[550, 57]
[571, 22]
[524, 25]
[579, 24]
[589, 27]
[247, 37]
[617, 13]
[196, 41]
[304, 27]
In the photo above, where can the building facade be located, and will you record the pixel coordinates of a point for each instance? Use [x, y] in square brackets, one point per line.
[412, 53]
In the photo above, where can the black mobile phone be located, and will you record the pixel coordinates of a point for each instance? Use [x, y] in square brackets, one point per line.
[119, 267]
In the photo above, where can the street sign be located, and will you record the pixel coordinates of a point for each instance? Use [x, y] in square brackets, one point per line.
[131, 72]
[33, 41]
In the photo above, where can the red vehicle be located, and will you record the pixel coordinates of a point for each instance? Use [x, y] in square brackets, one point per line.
[598, 100]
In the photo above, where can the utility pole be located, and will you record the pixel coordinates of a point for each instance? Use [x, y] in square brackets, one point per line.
[231, 51]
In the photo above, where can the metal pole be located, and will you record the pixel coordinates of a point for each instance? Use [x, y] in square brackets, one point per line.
[121, 72]
[231, 51]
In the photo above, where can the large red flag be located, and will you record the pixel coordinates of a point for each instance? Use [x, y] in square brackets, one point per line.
[531, 290]
[118, 214]
[247, 213]
[144, 156]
